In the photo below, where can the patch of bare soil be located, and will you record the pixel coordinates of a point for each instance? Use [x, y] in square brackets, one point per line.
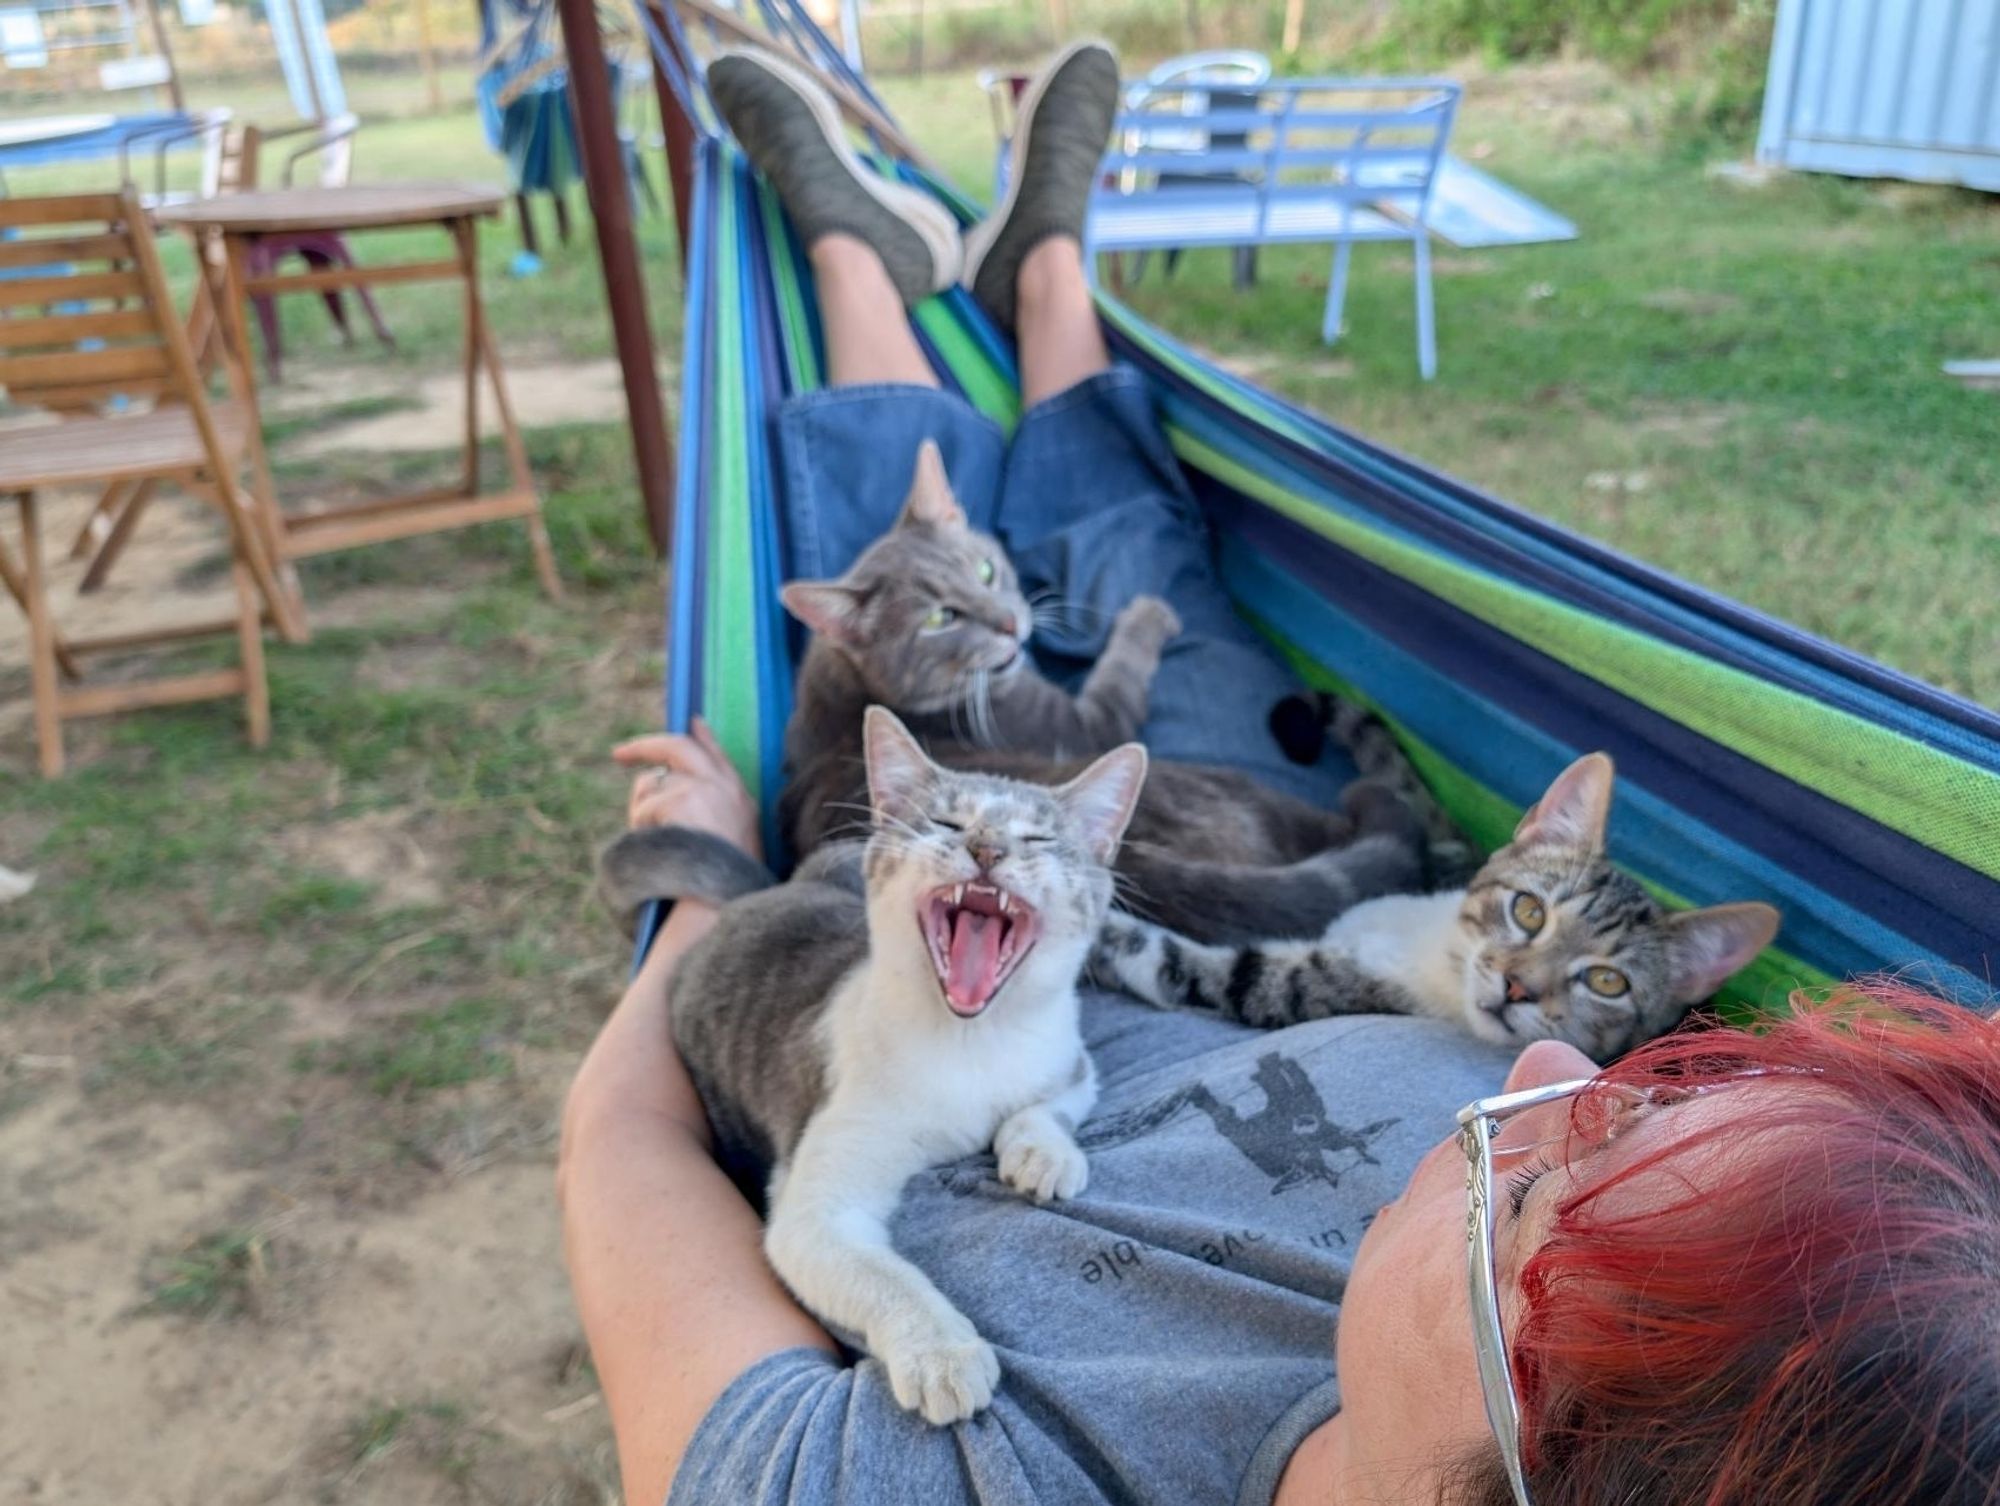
[1695, 302]
[572, 392]
[1573, 98]
[1257, 367]
[174, 571]
[277, 1215]
[386, 850]
[359, 1340]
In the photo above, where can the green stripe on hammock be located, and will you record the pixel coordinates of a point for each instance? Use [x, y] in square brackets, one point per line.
[1908, 786]
[729, 642]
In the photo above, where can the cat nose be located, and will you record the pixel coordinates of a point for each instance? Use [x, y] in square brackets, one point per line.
[1518, 992]
[986, 852]
[1009, 626]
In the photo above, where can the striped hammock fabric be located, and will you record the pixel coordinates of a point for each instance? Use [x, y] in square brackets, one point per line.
[1755, 761]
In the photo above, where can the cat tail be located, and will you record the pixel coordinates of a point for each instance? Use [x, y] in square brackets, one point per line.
[674, 862]
[1265, 984]
[1228, 902]
[1302, 723]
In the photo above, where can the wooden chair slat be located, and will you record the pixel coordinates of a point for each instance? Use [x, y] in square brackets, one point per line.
[64, 209]
[80, 287]
[72, 397]
[46, 250]
[66, 329]
[116, 363]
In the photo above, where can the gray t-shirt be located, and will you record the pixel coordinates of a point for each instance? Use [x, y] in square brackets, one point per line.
[1167, 1337]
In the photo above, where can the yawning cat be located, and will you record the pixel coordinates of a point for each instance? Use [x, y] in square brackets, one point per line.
[848, 1041]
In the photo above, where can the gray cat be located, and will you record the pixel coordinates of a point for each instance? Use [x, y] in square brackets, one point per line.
[931, 622]
[848, 1040]
[1549, 941]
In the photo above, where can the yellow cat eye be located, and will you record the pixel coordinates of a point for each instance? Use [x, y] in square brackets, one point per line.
[985, 572]
[1528, 913]
[1607, 981]
[939, 617]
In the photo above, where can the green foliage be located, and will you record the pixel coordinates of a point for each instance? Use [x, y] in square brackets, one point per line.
[1716, 49]
[217, 1275]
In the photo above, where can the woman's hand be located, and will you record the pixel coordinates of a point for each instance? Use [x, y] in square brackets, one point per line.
[687, 780]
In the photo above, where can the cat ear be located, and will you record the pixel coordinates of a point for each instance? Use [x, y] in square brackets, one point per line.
[1101, 798]
[930, 500]
[898, 771]
[1574, 810]
[827, 607]
[1705, 948]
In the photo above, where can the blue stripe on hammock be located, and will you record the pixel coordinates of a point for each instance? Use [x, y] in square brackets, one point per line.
[1462, 522]
[764, 389]
[1419, 654]
[688, 567]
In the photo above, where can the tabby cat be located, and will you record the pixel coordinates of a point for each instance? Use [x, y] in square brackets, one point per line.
[847, 1040]
[931, 622]
[1549, 941]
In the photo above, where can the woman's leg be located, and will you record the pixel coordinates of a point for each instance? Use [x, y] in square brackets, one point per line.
[867, 338]
[1055, 322]
[878, 247]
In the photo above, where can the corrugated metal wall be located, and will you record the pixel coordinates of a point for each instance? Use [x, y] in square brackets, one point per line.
[1886, 89]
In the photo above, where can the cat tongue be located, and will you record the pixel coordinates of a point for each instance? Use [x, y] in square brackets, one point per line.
[973, 971]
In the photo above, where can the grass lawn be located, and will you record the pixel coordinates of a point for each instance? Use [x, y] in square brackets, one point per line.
[283, 1035]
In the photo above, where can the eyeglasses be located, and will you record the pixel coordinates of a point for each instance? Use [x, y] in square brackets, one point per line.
[1483, 1132]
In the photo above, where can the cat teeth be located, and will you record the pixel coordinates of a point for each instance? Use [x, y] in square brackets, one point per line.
[958, 896]
[1006, 902]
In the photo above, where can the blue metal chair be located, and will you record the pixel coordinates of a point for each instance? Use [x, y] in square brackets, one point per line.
[1328, 160]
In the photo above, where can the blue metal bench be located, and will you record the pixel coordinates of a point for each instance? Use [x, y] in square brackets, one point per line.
[1326, 160]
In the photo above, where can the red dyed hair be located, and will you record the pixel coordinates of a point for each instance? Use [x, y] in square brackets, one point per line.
[1817, 1325]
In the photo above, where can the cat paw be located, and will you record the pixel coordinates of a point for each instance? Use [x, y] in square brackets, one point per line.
[1149, 619]
[1378, 808]
[945, 1375]
[1044, 1163]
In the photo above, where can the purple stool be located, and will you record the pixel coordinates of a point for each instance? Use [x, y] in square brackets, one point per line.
[319, 250]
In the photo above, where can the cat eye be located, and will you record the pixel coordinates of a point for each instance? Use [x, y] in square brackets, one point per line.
[1529, 914]
[985, 572]
[939, 617]
[947, 825]
[1038, 836]
[1607, 981]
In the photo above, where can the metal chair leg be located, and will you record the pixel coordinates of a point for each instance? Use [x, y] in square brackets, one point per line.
[1427, 359]
[1336, 294]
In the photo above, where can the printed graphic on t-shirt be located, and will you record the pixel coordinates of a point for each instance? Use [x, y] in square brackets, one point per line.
[1291, 1139]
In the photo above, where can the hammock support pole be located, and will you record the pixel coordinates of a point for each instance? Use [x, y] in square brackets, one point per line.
[618, 256]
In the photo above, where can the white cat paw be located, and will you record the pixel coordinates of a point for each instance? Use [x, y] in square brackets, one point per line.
[946, 1376]
[1043, 1163]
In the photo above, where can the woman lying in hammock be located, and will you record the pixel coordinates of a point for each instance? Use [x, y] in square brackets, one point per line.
[1729, 1269]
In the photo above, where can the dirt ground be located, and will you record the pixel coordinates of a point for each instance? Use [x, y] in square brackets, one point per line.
[277, 1131]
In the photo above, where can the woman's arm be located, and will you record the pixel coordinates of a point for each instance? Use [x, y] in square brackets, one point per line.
[665, 1257]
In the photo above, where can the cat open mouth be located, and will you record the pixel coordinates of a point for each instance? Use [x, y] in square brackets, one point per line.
[977, 934]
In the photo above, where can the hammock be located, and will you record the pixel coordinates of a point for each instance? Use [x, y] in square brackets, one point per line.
[1755, 761]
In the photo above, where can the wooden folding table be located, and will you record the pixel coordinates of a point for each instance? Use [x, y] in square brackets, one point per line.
[237, 220]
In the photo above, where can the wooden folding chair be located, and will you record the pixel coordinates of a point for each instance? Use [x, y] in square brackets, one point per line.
[85, 316]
